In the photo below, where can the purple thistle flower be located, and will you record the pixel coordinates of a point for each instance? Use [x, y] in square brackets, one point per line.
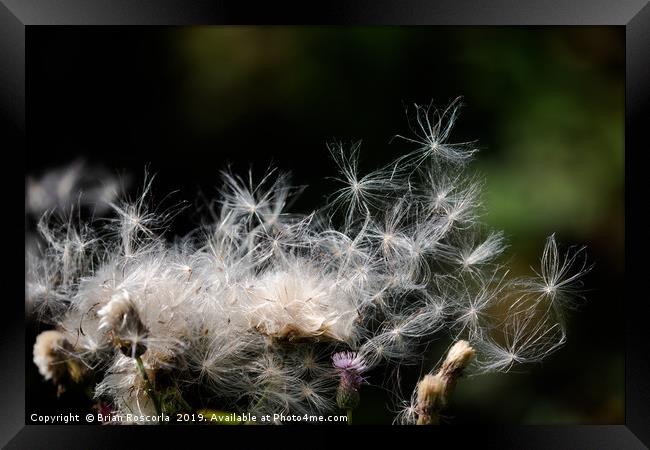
[350, 366]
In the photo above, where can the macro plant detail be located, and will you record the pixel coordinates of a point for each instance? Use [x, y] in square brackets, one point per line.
[266, 311]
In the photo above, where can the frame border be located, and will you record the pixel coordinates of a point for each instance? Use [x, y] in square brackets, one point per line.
[16, 15]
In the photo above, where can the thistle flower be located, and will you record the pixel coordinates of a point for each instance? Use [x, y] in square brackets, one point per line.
[350, 367]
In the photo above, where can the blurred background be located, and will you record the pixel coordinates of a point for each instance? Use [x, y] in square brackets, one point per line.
[546, 106]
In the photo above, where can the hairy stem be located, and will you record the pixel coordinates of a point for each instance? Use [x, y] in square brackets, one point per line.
[148, 386]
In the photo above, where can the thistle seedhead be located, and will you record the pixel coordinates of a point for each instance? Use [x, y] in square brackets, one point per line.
[53, 355]
[432, 391]
[458, 357]
[299, 303]
[430, 399]
[120, 317]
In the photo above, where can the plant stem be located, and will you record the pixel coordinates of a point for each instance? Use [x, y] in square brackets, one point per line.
[349, 415]
[148, 386]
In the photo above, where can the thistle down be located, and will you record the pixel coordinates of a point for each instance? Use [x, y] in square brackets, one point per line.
[268, 312]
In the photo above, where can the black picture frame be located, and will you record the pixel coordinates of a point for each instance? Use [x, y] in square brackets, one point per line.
[634, 15]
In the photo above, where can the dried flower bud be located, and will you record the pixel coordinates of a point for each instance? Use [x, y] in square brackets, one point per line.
[458, 357]
[121, 318]
[53, 357]
[430, 399]
[433, 390]
[49, 356]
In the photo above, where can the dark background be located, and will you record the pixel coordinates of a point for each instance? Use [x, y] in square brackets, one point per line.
[545, 104]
